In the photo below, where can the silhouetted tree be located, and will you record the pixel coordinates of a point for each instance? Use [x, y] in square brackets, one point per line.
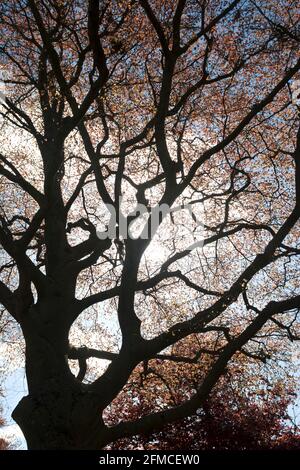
[118, 104]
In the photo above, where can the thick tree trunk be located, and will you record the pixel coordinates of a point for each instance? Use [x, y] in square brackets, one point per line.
[59, 412]
[59, 422]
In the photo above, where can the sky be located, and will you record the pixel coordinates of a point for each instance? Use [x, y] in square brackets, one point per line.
[14, 388]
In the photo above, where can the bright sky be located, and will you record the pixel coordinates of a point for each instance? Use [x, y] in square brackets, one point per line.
[14, 388]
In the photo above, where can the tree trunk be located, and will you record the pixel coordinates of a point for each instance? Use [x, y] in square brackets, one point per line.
[65, 422]
[59, 412]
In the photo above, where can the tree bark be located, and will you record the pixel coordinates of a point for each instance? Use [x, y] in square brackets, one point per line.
[59, 412]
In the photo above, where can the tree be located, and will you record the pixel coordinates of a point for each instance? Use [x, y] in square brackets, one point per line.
[114, 111]
[245, 412]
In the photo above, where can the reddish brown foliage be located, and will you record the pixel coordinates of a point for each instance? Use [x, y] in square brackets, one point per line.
[226, 422]
[245, 412]
[4, 445]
